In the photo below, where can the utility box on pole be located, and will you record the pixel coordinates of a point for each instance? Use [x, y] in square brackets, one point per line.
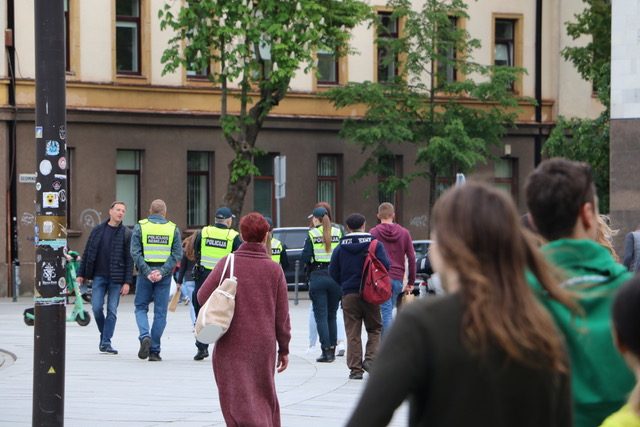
[51, 215]
[280, 178]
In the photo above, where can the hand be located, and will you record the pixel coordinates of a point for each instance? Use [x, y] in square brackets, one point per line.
[79, 280]
[283, 362]
[125, 289]
[407, 288]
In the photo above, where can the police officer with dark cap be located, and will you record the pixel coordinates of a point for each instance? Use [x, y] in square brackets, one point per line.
[278, 251]
[211, 244]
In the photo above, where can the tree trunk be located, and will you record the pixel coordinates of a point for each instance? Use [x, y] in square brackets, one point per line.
[433, 182]
[236, 191]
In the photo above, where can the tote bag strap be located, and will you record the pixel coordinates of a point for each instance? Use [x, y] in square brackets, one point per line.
[226, 264]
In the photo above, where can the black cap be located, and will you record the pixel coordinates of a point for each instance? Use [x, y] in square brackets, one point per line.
[355, 221]
[224, 213]
[318, 212]
[269, 221]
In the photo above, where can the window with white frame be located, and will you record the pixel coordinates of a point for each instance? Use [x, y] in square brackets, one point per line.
[128, 36]
[128, 183]
[198, 178]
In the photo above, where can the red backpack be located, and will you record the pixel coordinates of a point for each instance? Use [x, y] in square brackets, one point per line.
[375, 287]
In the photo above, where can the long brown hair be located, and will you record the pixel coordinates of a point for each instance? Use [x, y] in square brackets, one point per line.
[326, 225]
[479, 237]
[188, 247]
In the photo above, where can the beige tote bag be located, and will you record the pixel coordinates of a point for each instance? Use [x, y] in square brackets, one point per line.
[216, 315]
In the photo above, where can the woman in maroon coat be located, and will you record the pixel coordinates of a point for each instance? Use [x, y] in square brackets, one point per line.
[244, 359]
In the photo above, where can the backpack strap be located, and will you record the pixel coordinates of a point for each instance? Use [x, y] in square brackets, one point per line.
[372, 247]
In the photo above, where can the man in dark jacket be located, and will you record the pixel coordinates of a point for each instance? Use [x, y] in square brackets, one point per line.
[107, 261]
[345, 268]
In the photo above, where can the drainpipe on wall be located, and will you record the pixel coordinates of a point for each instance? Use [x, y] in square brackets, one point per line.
[538, 85]
[12, 212]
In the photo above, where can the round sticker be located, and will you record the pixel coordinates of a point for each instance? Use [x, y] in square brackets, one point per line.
[62, 163]
[57, 185]
[62, 283]
[62, 195]
[38, 186]
[45, 167]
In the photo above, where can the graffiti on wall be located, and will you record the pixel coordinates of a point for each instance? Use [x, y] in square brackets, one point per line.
[89, 218]
[419, 221]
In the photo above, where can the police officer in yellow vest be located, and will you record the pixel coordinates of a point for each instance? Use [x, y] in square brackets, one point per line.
[156, 248]
[324, 292]
[211, 244]
[278, 249]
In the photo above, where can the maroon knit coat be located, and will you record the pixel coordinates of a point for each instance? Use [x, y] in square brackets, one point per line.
[244, 359]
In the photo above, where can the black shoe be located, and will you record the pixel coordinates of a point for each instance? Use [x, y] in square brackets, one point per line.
[155, 357]
[326, 356]
[145, 345]
[332, 353]
[201, 354]
[108, 349]
[355, 376]
[366, 365]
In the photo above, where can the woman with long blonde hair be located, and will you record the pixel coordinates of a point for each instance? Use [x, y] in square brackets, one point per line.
[486, 354]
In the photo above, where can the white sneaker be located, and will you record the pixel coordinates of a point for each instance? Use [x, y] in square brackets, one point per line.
[340, 349]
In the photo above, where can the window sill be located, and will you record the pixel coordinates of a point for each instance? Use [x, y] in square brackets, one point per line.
[74, 233]
[131, 78]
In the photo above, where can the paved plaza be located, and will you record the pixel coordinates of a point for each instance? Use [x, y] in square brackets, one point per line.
[122, 390]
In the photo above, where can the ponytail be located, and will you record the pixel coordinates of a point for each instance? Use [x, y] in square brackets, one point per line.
[326, 233]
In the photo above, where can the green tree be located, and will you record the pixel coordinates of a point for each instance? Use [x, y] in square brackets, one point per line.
[452, 122]
[580, 139]
[255, 47]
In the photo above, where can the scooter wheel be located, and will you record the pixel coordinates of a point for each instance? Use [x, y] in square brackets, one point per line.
[27, 316]
[28, 321]
[85, 321]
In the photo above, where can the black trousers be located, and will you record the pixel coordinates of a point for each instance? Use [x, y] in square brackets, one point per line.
[194, 300]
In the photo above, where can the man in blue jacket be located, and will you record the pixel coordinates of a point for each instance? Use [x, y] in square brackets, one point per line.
[107, 261]
[345, 268]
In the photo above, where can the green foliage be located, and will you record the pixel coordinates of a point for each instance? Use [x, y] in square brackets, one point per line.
[587, 140]
[257, 45]
[584, 140]
[422, 107]
[592, 60]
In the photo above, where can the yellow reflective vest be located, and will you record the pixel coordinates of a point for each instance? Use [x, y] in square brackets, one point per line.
[215, 244]
[319, 253]
[157, 240]
[276, 249]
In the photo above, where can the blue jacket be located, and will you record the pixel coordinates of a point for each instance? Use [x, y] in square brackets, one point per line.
[121, 263]
[138, 255]
[347, 260]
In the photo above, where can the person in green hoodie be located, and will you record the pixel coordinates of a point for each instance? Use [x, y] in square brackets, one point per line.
[562, 203]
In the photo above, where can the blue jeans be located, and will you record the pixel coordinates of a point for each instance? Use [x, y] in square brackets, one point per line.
[386, 308]
[313, 328]
[147, 291]
[187, 291]
[325, 296]
[101, 286]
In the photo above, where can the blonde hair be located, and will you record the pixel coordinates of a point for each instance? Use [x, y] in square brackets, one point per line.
[158, 206]
[605, 235]
[386, 210]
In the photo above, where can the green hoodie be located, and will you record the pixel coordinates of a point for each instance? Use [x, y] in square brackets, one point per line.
[600, 379]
